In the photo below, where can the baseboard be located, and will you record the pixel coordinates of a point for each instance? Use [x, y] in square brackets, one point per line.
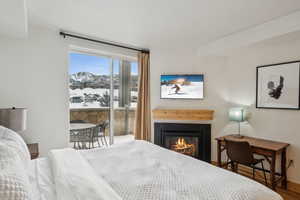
[243, 170]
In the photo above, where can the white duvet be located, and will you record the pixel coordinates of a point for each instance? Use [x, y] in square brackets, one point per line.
[139, 170]
[75, 179]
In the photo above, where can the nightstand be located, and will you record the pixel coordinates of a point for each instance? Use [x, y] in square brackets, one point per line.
[33, 150]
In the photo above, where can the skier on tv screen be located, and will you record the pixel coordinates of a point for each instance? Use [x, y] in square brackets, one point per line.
[177, 88]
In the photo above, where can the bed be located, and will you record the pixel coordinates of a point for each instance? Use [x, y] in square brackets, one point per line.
[135, 170]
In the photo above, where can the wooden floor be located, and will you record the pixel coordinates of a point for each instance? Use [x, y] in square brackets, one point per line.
[286, 195]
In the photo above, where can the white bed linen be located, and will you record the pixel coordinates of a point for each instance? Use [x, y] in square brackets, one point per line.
[41, 180]
[75, 179]
[139, 170]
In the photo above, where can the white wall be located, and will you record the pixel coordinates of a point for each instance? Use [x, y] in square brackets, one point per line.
[33, 74]
[280, 125]
[13, 18]
[215, 84]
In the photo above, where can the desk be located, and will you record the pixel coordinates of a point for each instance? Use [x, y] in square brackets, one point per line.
[267, 148]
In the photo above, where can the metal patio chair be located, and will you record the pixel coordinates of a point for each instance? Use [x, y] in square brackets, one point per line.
[99, 134]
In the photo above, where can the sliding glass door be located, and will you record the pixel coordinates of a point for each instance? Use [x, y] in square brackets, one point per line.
[103, 89]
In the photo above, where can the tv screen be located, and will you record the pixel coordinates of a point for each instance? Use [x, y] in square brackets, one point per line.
[186, 86]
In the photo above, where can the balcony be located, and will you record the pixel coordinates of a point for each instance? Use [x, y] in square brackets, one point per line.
[123, 118]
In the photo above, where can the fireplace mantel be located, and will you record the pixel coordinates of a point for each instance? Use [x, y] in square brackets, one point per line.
[182, 114]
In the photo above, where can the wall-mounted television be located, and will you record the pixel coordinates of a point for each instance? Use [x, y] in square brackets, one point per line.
[185, 86]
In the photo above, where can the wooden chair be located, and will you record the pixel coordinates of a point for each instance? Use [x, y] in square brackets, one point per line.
[99, 134]
[240, 152]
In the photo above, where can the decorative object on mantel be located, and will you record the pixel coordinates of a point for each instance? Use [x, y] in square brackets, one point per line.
[13, 118]
[184, 86]
[238, 115]
[277, 86]
[178, 114]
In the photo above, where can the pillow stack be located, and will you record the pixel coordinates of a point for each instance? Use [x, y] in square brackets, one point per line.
[15, 141]
[14, 163]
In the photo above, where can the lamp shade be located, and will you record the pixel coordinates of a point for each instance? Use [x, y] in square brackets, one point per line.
[238, 114]
[13, 118]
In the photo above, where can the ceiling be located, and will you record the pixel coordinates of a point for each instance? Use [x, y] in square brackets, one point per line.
[152, 23]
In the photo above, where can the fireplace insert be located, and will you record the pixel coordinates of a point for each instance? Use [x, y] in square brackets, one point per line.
[184, 145]
[189, 139]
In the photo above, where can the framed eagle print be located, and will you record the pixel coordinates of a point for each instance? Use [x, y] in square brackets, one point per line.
[278, 86]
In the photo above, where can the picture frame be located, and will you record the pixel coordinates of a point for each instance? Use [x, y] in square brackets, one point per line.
[278, 86]
[192, 91]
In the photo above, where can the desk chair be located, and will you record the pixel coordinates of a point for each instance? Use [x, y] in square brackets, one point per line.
[240, 152]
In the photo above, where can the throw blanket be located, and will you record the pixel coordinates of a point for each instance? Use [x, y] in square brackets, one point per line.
[75, 179]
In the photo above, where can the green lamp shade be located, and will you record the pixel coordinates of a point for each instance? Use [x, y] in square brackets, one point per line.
[238, 114]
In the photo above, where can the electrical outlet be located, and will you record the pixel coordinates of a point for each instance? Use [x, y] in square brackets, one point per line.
[291, 163]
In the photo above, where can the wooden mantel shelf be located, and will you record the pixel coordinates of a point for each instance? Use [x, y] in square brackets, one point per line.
[180, 114]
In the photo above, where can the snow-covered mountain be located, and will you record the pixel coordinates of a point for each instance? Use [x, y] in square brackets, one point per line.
[87, 79]
[83, 77]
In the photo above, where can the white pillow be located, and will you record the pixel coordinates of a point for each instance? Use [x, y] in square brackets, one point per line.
[14, 182]
[13, 187]
[7, 155]
[15, 141]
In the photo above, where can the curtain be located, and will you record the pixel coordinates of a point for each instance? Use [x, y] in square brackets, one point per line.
[143, 112]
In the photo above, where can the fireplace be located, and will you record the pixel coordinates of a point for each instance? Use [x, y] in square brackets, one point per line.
[190, 139]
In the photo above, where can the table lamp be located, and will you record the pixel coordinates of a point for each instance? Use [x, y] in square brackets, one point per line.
[238, 115]
[13, 118]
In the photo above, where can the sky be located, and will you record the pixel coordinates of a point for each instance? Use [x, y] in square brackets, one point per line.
[94, 64]
[191, 77]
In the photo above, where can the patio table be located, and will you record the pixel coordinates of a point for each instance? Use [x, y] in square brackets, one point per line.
[81, 126]
[78, 126]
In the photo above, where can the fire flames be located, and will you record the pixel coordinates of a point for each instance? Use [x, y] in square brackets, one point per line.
[181, 146]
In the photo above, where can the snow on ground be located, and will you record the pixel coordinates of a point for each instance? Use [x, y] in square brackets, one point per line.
[195, 90]
[100, 91]
[95, 104]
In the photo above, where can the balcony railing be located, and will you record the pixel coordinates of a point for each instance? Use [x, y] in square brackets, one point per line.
[123, 118]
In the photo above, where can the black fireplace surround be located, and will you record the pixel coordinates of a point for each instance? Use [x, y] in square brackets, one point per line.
[202, 133]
